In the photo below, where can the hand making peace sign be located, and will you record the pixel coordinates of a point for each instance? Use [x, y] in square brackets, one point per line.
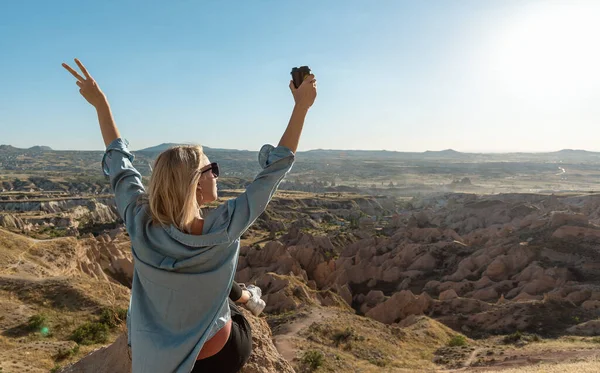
[88, 87]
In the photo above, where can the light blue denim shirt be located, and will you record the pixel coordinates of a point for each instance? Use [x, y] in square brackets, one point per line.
[181, 282]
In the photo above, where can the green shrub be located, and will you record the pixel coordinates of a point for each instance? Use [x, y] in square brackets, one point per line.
[64, 353]
[312, 360]
[343, 336]
[518, 336]
[512, 338]
[37, 322]
[458, 341]
[91, 333]
[113, 317]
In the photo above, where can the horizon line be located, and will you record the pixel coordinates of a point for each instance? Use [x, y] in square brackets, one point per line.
[336, 150]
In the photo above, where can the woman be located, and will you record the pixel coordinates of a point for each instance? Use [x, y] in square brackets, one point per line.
[180, 318]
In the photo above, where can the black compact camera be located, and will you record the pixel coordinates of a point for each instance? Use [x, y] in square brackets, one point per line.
[299, 74]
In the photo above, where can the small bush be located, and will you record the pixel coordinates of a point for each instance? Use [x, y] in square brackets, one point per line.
[342, 336]
[64, 353]
[595, 340]
[91, 333]
[37, 322]
[113, 317]
[518, 336]
[312, 360]
[458, 341]
[512, 338]
[55, 369]
[379, 362]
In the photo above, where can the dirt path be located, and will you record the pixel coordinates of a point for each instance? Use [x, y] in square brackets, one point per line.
[470, 359]
[287, 334]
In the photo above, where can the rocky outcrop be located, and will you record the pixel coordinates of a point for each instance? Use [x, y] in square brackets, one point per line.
[115, 358]
[108, 256]
[589, 328]
[458, 252]
[69, 215]
[61, 205]
[13, 222]
[399, 306]
[265, 358]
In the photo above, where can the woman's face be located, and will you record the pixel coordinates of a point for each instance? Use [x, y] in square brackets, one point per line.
[206, 191]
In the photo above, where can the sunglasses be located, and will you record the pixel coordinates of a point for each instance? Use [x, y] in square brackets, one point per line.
[213, 167]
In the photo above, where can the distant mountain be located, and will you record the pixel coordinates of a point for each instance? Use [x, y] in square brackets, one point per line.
[39, 148]
[158, 148]
[6, 148]
[443, 152]
[574, 152]
[165, 146]
[36, 148]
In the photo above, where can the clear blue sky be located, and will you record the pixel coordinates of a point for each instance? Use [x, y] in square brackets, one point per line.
[398, 75]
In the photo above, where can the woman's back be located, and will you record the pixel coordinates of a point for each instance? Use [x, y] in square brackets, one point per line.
[181, 281]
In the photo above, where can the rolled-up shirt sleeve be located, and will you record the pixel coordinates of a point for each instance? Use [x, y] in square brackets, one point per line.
[276, 162]
[125, 180]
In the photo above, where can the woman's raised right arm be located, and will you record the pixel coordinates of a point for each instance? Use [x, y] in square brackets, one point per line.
[117, 163]
[90, 90]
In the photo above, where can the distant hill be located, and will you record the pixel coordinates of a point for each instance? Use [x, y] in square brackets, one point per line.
[165, 146]
[39, 148]
[158, 148]
[7, 148]
[36, 148]
[443, 152]
[387, 154]
[575, 152]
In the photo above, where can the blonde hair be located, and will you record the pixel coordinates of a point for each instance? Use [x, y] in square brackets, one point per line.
[172, 190]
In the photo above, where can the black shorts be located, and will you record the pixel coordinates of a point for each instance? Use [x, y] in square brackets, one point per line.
[236, 351]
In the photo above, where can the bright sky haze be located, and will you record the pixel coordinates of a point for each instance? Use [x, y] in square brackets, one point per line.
[483, 76]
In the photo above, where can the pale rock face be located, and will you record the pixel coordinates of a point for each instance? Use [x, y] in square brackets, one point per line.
[576, 232]
[589, 328]
[448, 294]
[525, 297]
[497, 270]
[399, 306]
[106, 254]
[579, 296]
[488, 295]
[591, 305]
[559, 219]
[425, 263]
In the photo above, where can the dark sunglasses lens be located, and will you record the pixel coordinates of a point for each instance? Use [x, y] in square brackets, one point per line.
[215, 169]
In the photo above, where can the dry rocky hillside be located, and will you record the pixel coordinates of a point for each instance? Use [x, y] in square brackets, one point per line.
[352, 283]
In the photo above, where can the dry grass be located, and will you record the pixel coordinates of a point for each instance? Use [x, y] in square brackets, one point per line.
[592, 366]
[43, 278]
[353, 343]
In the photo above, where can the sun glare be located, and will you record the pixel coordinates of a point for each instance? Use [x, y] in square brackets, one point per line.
[549, 53]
